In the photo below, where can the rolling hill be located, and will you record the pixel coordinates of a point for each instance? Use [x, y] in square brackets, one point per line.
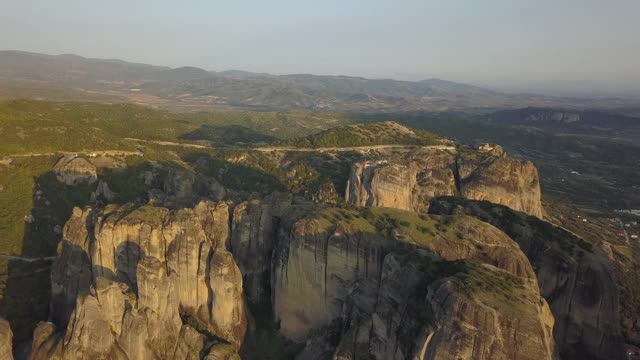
[32, 75]
[371, 134]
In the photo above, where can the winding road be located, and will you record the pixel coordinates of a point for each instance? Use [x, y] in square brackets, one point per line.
[296, 149]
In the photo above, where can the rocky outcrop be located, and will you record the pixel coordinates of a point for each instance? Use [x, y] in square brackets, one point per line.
[574, 276]
[406, 184]
[410, 183]
[514, 183]
[415, 317]
[403, 294]
[227, 315]
[381, 184]
[71, 272]
[73, 170]
[144, 283]
[151, 283]
[183, 188]
[310, 268]
[110, 324]
[493, 149]
[464, 322]
[103, 193]
[6, 340]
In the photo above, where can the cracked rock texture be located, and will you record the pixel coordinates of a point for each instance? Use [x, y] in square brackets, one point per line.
[144, 283]
[574, 276]
[6, 339]
[408, 296]
[409, 183]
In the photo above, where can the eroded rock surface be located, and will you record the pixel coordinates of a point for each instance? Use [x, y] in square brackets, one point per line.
[406, 184]
[397, 293]
[514, 183]
[410, 182]
[143, 283]
[574, 276]
[6, 340]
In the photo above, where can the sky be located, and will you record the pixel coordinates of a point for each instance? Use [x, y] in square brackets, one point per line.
[547, 45]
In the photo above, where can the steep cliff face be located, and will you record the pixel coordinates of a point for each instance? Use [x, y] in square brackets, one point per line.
[310, 268]
[415, 315]
[575, 278]
[252, 242]
[6, 339]
[406, 184]
[402, 293]
[410, 183]
[513, 183]
[492, 327]
[144, 283]
[382, 184]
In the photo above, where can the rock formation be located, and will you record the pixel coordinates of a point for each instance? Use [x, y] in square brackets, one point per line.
[144, 283]
[402, 297]
[183, 188]
[253, 240]
[150, 282]
[103, 192]
[410, 183]
[6, 339]
[382, 184]
[73, 170]
[402, 184]
[574, 276]
[504, 181]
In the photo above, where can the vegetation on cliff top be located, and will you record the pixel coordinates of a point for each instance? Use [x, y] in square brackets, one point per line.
[487, 284]
[29, 126]
[378, 133]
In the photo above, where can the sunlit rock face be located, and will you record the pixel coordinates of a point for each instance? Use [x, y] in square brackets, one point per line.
[409, 183]
[148, 283]
[363, 295]
[6, 339]
[513, 183]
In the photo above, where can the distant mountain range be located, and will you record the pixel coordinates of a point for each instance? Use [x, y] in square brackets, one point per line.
[562, 121]
[72, 77]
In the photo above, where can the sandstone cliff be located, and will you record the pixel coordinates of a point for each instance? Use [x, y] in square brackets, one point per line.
[574, 276]
[144, 283]
[514, 183]
[406, 184]
[409, 183]
[399, 292]
[6, 338]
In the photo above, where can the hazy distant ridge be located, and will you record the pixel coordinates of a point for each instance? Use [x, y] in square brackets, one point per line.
[232, 89]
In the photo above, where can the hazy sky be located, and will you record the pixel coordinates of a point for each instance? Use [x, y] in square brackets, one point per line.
[521, 44]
